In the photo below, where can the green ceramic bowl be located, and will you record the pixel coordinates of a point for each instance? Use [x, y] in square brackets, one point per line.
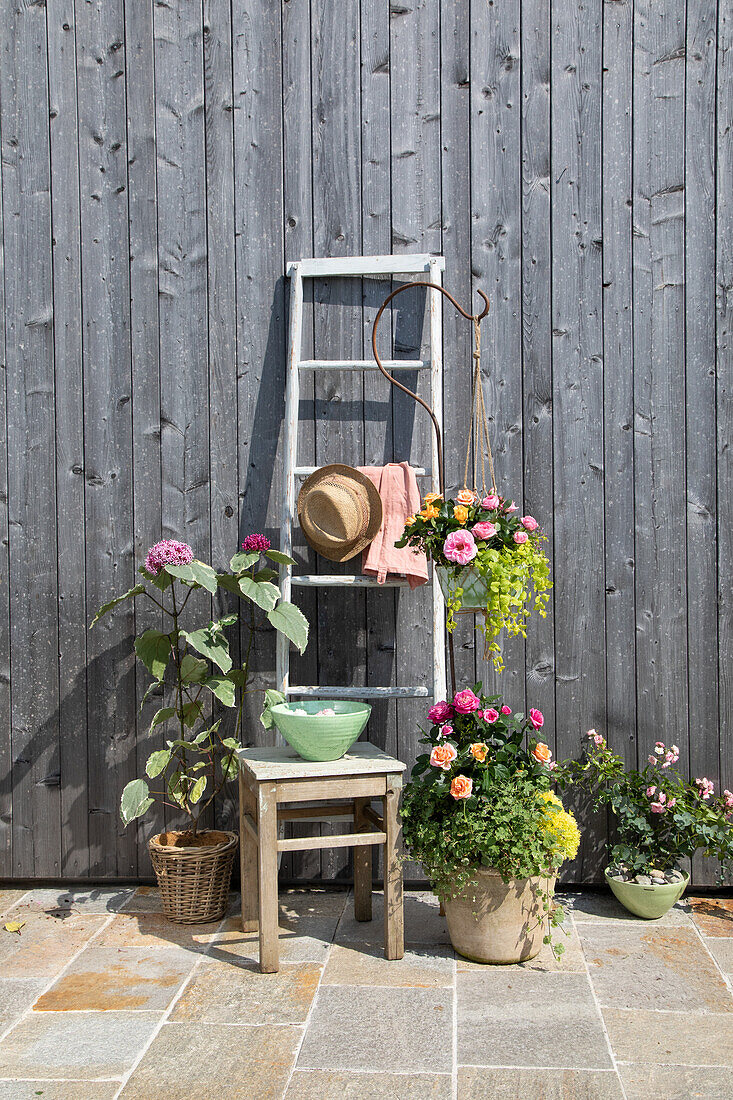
[321, 737]
[649, 902]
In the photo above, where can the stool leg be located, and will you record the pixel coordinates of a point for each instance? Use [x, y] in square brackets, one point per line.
[394, 929]
[267, 872]
[362, 866]
[247, 859]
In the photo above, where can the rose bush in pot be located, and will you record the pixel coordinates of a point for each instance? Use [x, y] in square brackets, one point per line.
[190, 668]
[487, 559]
[478, 813]
[660, 817]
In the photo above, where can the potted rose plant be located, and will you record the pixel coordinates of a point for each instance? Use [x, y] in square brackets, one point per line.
[660, 818]
[487, 560]
[188, 667]
[479, 815]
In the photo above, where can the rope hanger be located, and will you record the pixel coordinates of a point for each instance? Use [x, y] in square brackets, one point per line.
[479, 431]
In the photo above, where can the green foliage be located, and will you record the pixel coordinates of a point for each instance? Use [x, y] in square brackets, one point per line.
[660, 817]
[272, 698]
[190, 668]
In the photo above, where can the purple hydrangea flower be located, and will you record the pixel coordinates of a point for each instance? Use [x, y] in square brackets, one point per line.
[258, 543]
[167, 552]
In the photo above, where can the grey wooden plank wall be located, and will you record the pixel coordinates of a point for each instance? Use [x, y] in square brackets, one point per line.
[161, 166]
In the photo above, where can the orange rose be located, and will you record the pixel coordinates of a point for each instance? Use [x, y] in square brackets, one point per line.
[465, 497]
[461, 514]
[479, 751]
[443, 756]
[430, 498]
[461, 787]
[542, 753]
[430, 512]
[409, 520]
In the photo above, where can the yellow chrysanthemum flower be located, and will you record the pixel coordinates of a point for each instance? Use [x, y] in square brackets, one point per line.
[561, 828]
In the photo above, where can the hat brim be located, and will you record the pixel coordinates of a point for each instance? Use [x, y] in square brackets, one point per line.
[346, 550]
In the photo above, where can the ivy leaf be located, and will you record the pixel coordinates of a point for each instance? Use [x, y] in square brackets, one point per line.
[158, 762]
[136, 591]
[135, 800]
[279, 557]
[242, 561]
[222, 688]
[153, 648]
[264, 594]
[291, 622]
[193, 669]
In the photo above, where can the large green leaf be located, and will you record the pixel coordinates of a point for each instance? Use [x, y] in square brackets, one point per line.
[136, 591]
[161, 581]
[193, 669]
[195, 572]
[154, 648]
[191, 711]
[222, 688]
[263, 593]
[279, 557]
[157, 762]
[194, 795]
[242, 561]
[228, 583]
[161, 715]
[226, 620]
[212, 644]
[291, 622]
[135, 800]
[272, 697]
[266, 575]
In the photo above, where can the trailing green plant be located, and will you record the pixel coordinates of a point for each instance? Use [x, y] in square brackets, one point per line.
[660, 816]
[193, 666]
[480, 797]
[484, 536]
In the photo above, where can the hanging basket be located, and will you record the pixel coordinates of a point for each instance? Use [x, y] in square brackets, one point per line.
[475, 587]
[194, 881]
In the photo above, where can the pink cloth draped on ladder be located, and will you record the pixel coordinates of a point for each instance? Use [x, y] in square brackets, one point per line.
[400, 495]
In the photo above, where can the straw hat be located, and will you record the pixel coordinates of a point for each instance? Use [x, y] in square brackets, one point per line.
[340, 511]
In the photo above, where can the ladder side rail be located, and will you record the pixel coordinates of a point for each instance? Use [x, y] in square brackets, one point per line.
[290, 458]
[436, 400]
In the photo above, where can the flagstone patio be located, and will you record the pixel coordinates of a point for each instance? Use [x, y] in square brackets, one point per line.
[101, 997]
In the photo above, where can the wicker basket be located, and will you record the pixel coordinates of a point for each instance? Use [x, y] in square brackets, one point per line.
[194, 882]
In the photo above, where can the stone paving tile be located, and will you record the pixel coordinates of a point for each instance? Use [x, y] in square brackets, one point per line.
[596, 907]
[45, 943]
[517, 1018]
[335, 1085]
[10, 897]
[571, 961]
[154, 930]
[79, 902]
[653, 968]
[398, 1030]
[423, 922]
[721, 948]
[307, 925]
[423, 966]
[538, 1084]
[210, 1062]
[221, 993]
[58, 1090]
[670, 1038]
[713, 916]
[76, 1045]
[146, 899]
[105, 979]
[16, 996]
[676, 1083]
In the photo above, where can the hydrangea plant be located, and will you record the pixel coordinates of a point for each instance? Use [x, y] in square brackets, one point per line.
[484, 534]
[190, 665]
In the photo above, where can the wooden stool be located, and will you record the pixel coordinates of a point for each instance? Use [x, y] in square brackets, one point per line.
[270, 781]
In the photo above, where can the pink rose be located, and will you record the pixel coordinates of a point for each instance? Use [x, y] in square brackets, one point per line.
[520, 536]
[652, 759]
[460, 547]
[506, 710]
[529, 523]
[510, 507]
[446, 731]
[728, 799]
[537, 718]
[651, 791]
[484, 530]
[657, 808]
[441, 712]
[671, 802]
[465, 702]
[443, 756]
[491, 715]
[490, 502]
[706, 788]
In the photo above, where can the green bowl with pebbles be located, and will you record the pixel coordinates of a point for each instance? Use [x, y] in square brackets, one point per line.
[321, 736]
[648, 900]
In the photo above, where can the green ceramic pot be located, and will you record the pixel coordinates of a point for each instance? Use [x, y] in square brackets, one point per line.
[321, 737]
[649, 902]
[475, 586]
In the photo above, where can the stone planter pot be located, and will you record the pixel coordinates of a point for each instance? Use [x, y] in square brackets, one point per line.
[475, 587]
[193, 879]
[497, 922]
[649, 902]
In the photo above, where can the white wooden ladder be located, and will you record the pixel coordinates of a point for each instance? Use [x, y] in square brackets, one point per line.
[356, 266]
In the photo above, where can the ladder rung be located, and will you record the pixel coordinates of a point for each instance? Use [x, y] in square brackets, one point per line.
[404, 264]
[306, 471]
[360, 692]
[341, 580]
[362, 364]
